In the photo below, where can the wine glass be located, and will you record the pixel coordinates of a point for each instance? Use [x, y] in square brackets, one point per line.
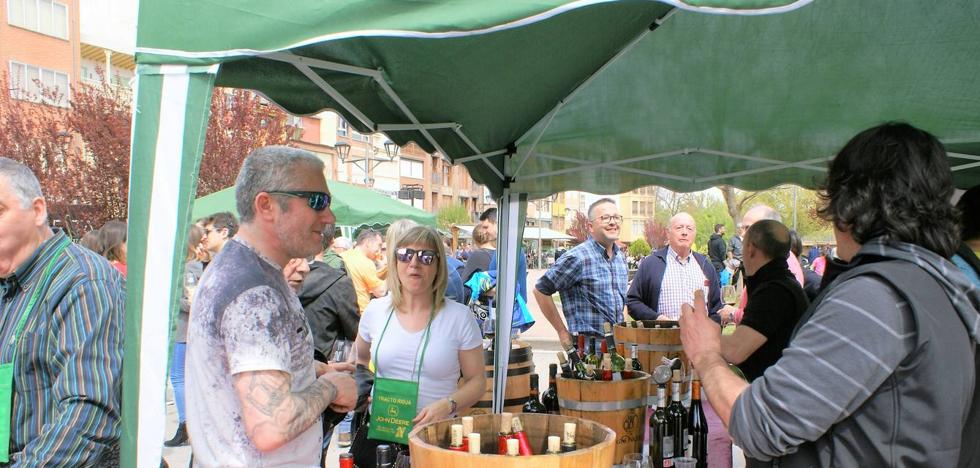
[729, 294]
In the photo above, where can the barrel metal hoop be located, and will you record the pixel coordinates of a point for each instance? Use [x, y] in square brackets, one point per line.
[517, 355]
[656, 347]
[508, 402]
[512, 372]
[601, 405]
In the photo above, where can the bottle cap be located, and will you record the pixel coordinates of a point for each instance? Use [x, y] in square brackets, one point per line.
[677, 375]
[384, 454]
[561, 357]
[473, 441]
[552, 369]
[607, 327]
[554, 444]
[569, 434]
[513, 447]
[467, 424]
[457, 435]
[516, 424]
[505, 423]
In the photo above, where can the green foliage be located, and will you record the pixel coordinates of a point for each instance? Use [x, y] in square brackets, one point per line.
[639, 248]
[452, 214]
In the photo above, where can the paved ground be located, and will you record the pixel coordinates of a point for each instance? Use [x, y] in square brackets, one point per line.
[541, 337]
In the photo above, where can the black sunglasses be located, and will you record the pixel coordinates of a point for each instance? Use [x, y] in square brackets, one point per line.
[426, 257]
[319, 201]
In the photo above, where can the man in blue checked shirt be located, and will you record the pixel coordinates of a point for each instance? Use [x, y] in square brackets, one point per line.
[591, 278]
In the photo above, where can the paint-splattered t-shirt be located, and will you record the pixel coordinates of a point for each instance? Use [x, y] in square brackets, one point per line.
[244, 318]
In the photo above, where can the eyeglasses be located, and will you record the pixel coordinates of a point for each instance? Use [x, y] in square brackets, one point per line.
[319, 201]
[613, 218]
[426, 257]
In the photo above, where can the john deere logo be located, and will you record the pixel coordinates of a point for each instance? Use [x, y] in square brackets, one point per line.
[392, 411]
[629, 422]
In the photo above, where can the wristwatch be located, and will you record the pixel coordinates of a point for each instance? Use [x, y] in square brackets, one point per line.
[452, 405]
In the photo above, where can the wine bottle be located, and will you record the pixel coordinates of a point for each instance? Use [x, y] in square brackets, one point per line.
[592, 359]
[524, 446]
[617, 362]
[513, 448]
[634, 360]
[473, 443]
[577, 343]
[467, 430]
[580, 370]
[384, 456]
[550, 396]
[697, 425]
[580, 348]
[566, 368]
[533, 404]
[456, 438]
[506, 432]
[346, 460]
[677, 417]
[568, 438]
[661, 444]
[554, 445]
[605, 365]
[639, 324]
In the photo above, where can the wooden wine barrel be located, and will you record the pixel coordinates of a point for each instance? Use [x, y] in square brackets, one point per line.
[595, 442]
[519, 369]
[653, 344]
[621, 405]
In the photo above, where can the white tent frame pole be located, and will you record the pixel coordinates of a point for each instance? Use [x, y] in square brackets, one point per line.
[481, 156]
[508, 219]
[404, 127]
[755, 159]
[609, 164]
[458, 130]
[332, 92]
[964, 166]
[764, 169]
[963, 156]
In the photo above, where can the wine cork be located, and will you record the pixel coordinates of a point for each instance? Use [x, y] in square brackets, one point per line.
[516, 425]
[554, 444]
[512, 447]
[506, 419]
[474, 443]
[457, 435]
[467, 424]
[569, 434]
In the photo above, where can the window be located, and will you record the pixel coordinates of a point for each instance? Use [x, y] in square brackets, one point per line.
[37, 84]
[636, 208]
[637, 228]
[43, 16]
[445, 174]
[342, 127]
[360, 136]
[411, 168]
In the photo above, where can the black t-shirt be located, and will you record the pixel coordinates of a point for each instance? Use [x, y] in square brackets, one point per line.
[776, 302]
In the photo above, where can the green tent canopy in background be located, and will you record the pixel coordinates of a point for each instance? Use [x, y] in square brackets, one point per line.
[352, 205]
[535, 97]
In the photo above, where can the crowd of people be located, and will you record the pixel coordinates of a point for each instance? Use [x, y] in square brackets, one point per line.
[853, 357]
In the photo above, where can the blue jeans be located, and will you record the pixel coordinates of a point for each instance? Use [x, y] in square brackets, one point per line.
[177, 379]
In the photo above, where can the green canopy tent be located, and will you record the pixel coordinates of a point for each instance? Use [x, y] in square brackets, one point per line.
[352, 205]
[535, 97]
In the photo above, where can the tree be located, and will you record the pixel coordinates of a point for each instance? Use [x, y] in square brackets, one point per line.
[655, 233]
[579, 230]
[81, 153]
[452, 214]
[639, 249]
[780, 198]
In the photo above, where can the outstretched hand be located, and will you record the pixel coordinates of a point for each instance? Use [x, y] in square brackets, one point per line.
[700, 335]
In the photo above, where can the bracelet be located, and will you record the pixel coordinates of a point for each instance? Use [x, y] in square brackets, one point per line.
[452, 404]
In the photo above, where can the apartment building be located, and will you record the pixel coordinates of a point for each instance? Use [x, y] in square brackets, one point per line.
[637, 206]
[39, 43]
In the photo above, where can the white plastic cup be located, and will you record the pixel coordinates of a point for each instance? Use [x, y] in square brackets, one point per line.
[685, 462]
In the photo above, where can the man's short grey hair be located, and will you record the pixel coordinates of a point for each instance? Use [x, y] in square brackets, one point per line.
[22, 181]
[598, 202]
[269, 168]
[342, 242]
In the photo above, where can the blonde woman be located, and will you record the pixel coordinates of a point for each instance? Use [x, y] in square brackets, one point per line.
[418, 345]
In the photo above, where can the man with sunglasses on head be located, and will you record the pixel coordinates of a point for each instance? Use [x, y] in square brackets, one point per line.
[218, 228]
[255, 394]
[591, 279]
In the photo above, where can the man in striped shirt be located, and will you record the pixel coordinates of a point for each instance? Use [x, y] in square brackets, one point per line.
[66, 343]
[881, 370]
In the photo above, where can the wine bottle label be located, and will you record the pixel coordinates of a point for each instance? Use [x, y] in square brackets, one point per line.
[467, 424]
[687, 443]
[568, 436]
[689, 450]
[668, 446]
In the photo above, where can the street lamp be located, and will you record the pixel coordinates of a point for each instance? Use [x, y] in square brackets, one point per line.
[343, 153]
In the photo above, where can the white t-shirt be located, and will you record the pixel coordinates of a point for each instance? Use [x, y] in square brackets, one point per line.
[244, 318]
[454, 329]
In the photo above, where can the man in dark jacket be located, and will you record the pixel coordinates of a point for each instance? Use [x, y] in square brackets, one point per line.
[330, 304]
[667, 277]
[776, 301]
[717, 250]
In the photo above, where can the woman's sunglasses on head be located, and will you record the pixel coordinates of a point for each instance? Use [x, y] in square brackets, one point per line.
[426, 257]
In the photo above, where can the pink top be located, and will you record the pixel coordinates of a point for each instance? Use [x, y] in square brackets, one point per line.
[820, 264]
[119, 266]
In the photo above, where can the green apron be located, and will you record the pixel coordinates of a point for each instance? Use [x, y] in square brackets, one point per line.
[393, 405]
[7, 368]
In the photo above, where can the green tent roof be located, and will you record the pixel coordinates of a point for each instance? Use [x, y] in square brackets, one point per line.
[602, 96]
[352, 205]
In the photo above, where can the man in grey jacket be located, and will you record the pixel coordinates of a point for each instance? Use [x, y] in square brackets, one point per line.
[881, 369]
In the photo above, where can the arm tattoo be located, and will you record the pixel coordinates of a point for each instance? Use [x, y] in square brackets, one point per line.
[276, 411]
